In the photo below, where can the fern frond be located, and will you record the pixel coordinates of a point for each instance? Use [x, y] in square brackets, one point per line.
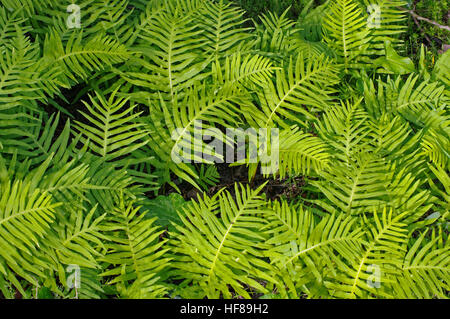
[345, 127]
[38, 142]
[222, 253]
[113, 129]
[20, 77]
[78, 59]
[135, 253]
[355, 186]
[174, 132]
[171, 59]
[383, 252]
[25, 218]
[275, 36]
[301, 245]
[346, 32]
[386, 23]
[244, 71]
[80, 239]
[222, 27]
[11, 23]
[441, 69]
[301, 153]
[425, 271]
[305, 87]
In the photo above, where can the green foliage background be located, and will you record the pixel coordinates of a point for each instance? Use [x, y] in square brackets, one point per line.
[87, 179]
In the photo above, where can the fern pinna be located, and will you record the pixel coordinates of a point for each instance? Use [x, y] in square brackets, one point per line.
[88, 182]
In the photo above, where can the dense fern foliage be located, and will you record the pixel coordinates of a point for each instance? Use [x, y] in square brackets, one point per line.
[93, 204]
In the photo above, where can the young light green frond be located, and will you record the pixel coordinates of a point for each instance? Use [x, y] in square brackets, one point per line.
[436, 148]
[209, 249]
[246, 71]
[439, 181]
[301, 153]
[421, 104]
[390, 137]
[305, 87]
[91, 286]
[346, 32]
[25, 217]
[135, 252]
[355, 186]
[300, 244]
[373, 272]
[80, 240]
[68, 185]
[345, 127]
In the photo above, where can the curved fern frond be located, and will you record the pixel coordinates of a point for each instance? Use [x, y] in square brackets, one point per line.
[301, 153]
[244, 71]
